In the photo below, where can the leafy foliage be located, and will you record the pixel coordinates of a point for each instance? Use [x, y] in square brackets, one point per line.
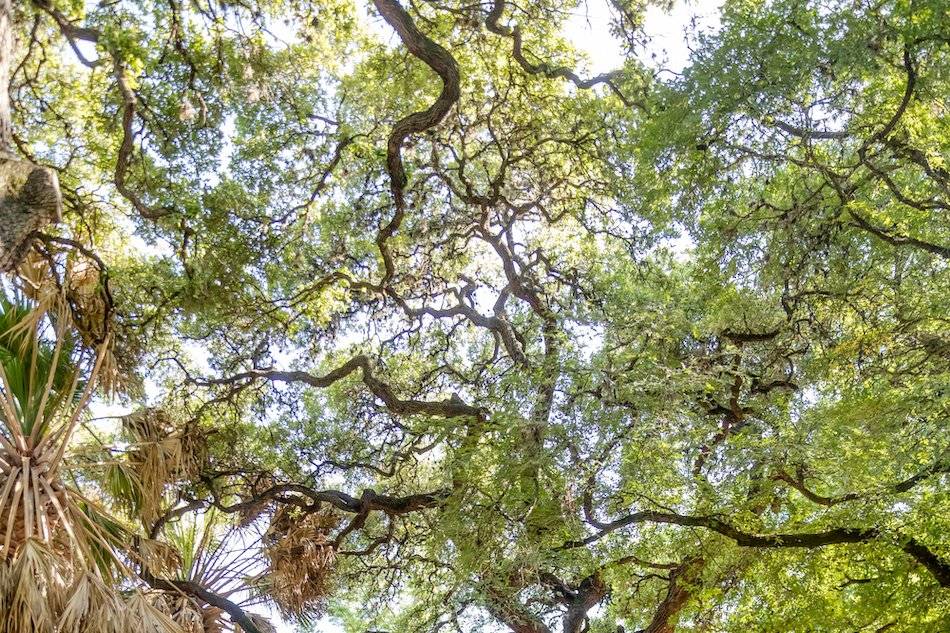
[420, 325]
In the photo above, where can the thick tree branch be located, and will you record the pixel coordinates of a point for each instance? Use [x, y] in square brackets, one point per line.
[678, 594]
[513, 614]
[440, 61]
[66, 27]
[368, 501]
[452, 407]
[841, 535]
[589, 593]
[238, 615]
[808, 134]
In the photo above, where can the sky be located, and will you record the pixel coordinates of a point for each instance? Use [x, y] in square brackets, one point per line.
[588, 31]
[666, 31]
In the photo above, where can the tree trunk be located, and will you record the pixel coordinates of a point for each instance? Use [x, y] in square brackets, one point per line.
[6, 53]
[29, 194]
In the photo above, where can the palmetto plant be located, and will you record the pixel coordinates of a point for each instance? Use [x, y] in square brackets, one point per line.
[217, 554]
[61, 563]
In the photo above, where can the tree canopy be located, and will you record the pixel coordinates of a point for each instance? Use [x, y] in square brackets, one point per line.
[418, 324]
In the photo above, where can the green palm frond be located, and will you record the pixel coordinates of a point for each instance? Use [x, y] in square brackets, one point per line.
[106, 536]
[39, 373]
[122, 484]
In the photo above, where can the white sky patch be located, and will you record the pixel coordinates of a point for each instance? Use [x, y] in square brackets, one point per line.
[588, 30]
[87, 49]
[667, 34]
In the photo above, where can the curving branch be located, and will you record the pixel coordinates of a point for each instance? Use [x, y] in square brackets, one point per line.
[125, 149]
[72, 33]
[938, 567]
[66, 27]
[238, 615]
[452, 407]
[797, 482]
[497, 324]
[544, 69]
[440, 61]
[368, 501]
[173, 514]
[896, 239]
[910, 70]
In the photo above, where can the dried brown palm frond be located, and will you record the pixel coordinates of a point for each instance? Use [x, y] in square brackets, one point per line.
[212, 620]
[82, 289]
[141, 615]
[82, 596]
[84, 297]
[93, 607]
[148, 424]
[194, 449]
[38, 285]
[156, 557]
[192, 618]
[188, 614]
[257, 506]
[43, 592]
[181, 609]
[289, 519]
[160, 454]
[301, 560]
[33, 590]
[252, 511]
[51, 537]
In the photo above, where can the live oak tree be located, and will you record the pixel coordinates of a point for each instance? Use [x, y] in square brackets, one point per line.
[29, 193]
[422, 325]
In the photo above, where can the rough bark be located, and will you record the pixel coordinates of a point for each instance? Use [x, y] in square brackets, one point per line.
[237, 614]
[29, 194]
[936, 565]
[443, 64]
[677, 595]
